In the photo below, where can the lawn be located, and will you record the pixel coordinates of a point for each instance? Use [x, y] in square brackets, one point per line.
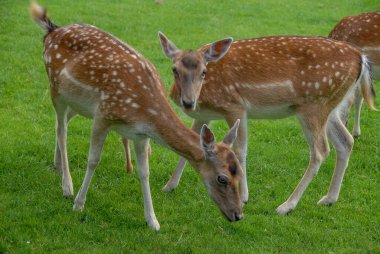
[35, 217]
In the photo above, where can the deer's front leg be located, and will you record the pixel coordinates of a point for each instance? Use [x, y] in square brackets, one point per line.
[142, 155]
[176, 176]
[240, 148]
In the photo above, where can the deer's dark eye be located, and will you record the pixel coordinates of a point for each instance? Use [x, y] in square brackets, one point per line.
[203, 73]
[222, 179]
[175, 72]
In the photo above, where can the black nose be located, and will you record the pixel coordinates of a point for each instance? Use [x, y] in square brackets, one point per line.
[187, 105]
[238, 216]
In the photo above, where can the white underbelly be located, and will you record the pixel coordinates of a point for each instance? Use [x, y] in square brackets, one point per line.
[270, 112]
[203, 114]
[82, 98]
[135, 130]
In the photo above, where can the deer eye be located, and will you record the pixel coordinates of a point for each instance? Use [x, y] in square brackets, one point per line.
[222, 179]
[203, 73]
[175, 72]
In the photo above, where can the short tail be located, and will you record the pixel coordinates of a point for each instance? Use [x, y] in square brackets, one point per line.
[38, 13]
[366, 83]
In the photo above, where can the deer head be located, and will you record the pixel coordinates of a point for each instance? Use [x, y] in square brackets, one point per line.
[190, 67]
[221, 172]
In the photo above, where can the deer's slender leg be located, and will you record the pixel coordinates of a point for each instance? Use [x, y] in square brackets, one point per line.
[57, 153]
[142, 155]
[128, 157]
[358, 105]
[343, 143]
[314, 126]
[240, 149]
[176, 176]
[61, 110]
[99, 133]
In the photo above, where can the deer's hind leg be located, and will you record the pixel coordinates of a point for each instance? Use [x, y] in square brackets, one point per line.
[62, 112]
[100, 129]
[343, 143]
[57, 153]
[314, 127]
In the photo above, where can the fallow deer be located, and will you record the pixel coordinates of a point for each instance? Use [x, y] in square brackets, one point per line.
[274, 77]
[363, 31]
[98, 76]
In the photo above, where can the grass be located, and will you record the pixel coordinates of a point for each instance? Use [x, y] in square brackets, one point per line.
[34, 217]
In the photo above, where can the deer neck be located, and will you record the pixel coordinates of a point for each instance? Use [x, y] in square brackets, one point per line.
[178, 137]
[174, 95]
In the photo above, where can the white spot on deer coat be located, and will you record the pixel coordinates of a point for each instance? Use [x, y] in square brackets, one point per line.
[135, 105]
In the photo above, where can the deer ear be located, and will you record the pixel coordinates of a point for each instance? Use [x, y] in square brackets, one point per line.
[217, 50]
[170, 50]
[207, 141]
[229, 139]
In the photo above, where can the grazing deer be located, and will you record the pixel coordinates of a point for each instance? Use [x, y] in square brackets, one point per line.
[100, 77]
[363, 31]
[274, 77]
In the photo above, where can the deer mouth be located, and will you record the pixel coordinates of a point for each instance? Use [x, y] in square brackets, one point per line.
[188, 105]
[233, 216]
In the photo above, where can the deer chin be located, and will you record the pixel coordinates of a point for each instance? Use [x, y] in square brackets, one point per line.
[188, 106]
[232, 216]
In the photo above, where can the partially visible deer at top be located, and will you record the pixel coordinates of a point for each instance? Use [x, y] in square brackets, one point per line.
[94, 74]
[274, 77]
[363, 31]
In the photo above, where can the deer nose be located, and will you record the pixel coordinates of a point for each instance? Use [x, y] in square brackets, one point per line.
[187, 105]
[238, 216]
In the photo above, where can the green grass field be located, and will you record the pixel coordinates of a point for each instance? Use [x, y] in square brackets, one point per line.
[34, 216]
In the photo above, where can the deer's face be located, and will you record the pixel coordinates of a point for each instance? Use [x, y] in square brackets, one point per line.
[221, 172]
[189, 67]
[189, 70]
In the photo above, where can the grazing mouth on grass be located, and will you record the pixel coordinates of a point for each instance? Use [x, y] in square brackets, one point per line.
[233, 216]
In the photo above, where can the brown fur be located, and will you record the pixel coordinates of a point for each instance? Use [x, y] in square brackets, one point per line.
[96, 75]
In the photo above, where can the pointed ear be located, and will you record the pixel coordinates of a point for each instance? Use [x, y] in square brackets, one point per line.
[217, 50]
[170, 50]
[207, 141]
[229, 139]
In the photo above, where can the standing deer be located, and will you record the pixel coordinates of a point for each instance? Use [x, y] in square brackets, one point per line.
[363, 31]
[274, 77]
[98, 76]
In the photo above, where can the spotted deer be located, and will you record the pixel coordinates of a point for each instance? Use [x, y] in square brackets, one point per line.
[363, 31]
[274, 77]
[96, 75]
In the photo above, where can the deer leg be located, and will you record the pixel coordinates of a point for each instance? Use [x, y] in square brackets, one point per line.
[240, 149]
[61, 129]
[128, 157]
[176, 176]
[99, 133]
[358, 105]
[142, 155]
[57, 153]
[343, 143]
[315, 132]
